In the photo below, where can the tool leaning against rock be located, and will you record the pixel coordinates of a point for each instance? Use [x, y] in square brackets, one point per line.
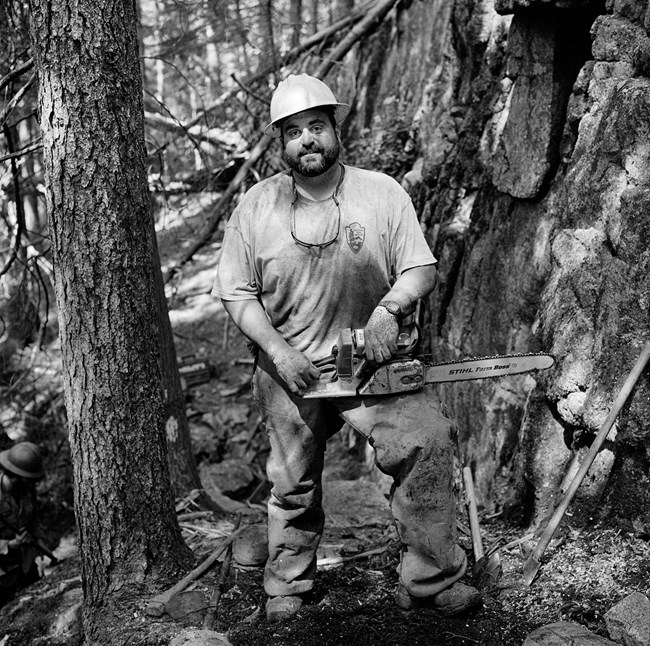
[347, 372]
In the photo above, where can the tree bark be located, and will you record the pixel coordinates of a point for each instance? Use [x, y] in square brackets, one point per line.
[90, 92]
[313, 10]
[341, 8]
[295, 18]
[268, 37]
[182, 465]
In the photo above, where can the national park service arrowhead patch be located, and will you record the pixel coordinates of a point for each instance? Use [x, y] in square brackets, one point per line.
[355, 234]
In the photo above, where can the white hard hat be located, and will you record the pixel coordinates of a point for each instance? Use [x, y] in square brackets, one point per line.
[300, 92]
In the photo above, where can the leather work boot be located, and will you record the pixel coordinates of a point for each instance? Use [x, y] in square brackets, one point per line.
[281, 608]
[455, 600]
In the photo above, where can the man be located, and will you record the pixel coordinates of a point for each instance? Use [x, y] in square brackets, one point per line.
[20, 467]
[311, 251]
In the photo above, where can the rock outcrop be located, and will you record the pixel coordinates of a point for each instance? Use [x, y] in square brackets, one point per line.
[524, 125]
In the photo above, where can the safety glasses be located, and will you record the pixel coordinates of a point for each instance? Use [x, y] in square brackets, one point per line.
[319, 245]
[326, 243]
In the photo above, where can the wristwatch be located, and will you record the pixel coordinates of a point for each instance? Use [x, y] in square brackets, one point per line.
[392, 308]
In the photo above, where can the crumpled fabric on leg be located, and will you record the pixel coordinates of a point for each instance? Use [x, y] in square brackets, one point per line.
[414, 443]
[297, 431]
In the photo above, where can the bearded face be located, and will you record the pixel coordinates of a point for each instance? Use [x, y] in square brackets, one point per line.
[311, 144]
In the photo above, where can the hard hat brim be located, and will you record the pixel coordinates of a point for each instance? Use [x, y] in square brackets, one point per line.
[12, 468]
[341, 111]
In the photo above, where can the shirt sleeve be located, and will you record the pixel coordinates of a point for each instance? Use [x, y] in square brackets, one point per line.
[409, 247]
[235, 278]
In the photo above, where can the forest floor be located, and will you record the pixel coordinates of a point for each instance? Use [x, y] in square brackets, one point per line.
[587, 568]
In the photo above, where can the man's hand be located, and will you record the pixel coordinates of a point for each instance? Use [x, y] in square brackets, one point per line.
[19, 540]
[380, 335]
[295, 369]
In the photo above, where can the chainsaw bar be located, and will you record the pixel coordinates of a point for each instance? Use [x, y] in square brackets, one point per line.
[486, 367]
[408, 374]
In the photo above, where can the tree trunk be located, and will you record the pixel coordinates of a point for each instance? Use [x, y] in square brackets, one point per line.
[341, 8]
[295, 19]
[268, 38]
[182, 466]
[100, 221]
[313, 10]
[159, 18]
[213, 77]
[241, 31]
[35, 217]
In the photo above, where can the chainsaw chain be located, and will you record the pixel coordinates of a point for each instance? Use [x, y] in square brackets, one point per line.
[427, 364]
[473, 359]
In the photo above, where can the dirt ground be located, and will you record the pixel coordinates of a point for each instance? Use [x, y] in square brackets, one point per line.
[587, 568]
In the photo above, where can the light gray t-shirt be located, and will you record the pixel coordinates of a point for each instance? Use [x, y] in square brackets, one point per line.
[310, 294]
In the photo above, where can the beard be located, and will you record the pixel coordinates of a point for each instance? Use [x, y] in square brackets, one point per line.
[309, 167]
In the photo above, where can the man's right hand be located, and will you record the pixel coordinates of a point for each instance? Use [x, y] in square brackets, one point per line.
[295, 369]
[19, 540]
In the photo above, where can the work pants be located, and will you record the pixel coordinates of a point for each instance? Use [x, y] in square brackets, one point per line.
[413, 442]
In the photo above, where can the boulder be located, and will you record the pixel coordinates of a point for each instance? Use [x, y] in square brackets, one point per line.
[628, 622]
[565, 633]
[233, 477]
[251, 547]
[194, 637]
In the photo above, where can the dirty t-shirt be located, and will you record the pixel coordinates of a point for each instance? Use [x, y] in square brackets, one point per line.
[309, 293]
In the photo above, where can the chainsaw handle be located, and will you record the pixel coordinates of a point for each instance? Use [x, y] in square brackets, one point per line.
[328, 373]
[325, 361]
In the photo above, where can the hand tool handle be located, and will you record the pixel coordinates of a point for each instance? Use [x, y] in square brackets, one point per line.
[32, 541]
[624, 393]
[477, 543]
[156, 605]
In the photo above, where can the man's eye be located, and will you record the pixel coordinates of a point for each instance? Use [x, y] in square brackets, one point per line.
[317, 130]
[293, 134]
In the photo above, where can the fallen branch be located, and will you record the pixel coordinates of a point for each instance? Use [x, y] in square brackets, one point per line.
[364, 27]
[174, 125]
[290, 57]
[338, 560]
[210, 620]
[16, 99]
[14, 74]
[156, 606]
[21, 153]
[212, 224]
[193, 515]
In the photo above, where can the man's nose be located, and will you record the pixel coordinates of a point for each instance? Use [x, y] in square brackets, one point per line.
[306, 138]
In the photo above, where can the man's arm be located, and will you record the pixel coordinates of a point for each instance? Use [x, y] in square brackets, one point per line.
[382, 329]
[295, 369]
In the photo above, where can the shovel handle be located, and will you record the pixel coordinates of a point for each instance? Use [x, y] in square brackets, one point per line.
[472, 512]
[624, 393]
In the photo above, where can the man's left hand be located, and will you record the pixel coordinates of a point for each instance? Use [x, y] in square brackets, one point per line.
[381, 334]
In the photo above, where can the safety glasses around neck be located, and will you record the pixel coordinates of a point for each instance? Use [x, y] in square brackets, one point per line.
[318, 245]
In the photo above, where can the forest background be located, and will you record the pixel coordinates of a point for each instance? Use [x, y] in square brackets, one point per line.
[519, 129]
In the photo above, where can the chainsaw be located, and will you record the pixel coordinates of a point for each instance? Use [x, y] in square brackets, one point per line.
[347, 372]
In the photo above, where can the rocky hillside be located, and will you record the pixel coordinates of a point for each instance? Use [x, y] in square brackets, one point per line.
[524, 124]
